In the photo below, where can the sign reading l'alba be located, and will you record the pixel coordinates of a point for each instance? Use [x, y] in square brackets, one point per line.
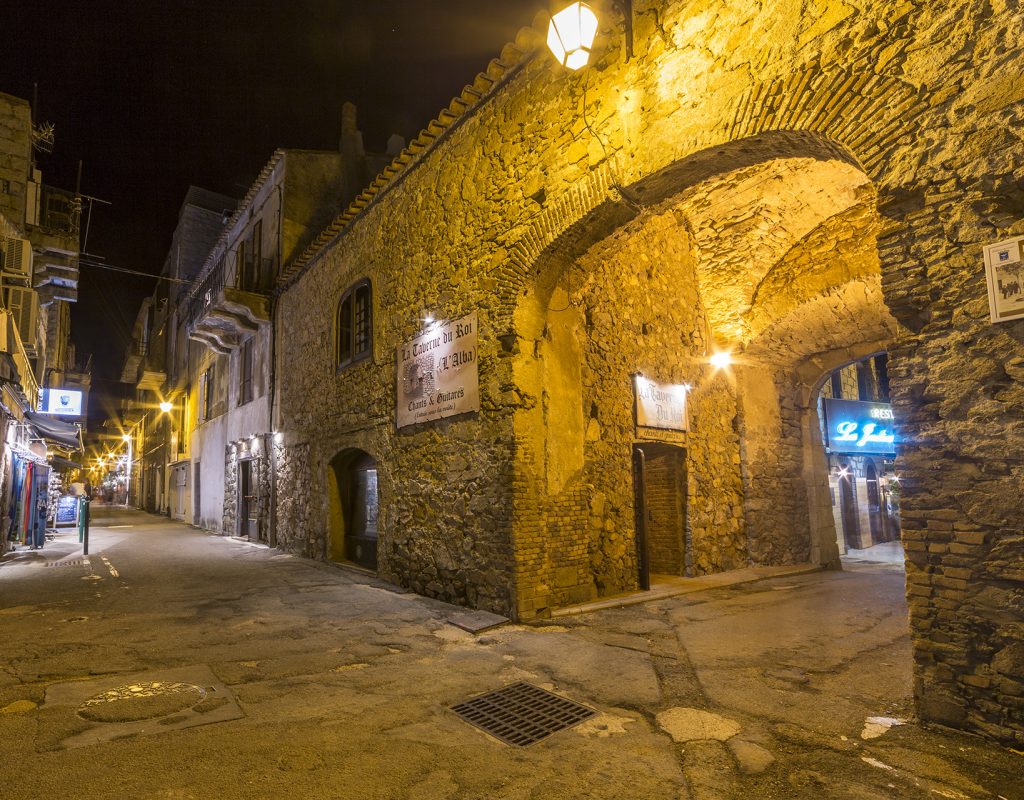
[438, 375]
[660, 405]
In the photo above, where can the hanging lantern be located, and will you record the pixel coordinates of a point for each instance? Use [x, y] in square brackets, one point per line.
[571, 35]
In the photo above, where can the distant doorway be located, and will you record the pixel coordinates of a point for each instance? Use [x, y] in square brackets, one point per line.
[659, 479]
[848, 507]
[248, 501]
[355, 508]
[874, 504]
[197, 515]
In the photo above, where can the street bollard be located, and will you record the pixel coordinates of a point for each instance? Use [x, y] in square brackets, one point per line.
[81, 519]
[85, 526]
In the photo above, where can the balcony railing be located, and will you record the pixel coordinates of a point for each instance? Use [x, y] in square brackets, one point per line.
[230, 303]
[226, 274]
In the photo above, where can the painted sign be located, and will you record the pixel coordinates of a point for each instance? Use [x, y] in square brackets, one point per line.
[66, 402]
[859, 428]
[67, 510]
[438, 374]
[660, 405]
[1004, 273]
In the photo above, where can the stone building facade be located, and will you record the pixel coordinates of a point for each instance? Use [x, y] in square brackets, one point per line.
[798, 184]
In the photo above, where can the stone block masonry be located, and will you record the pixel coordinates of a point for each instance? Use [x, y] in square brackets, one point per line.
[799, 184]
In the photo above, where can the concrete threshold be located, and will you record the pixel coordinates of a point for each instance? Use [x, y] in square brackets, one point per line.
[663, 586]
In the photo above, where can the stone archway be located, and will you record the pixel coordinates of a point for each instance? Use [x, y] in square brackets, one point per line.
[743, 260]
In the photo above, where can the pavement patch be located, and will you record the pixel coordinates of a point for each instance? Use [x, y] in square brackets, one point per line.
[876, 726]
[18, 707]
[694, 724]
[120, 706]
[604, 725]
[476, 621]
[751, 758]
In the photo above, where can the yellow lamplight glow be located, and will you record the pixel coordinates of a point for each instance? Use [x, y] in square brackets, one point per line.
[166, 407]
[721, 359]
[127, 437]
[571, 35]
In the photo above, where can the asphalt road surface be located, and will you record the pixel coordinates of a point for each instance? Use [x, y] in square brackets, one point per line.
[176, 664]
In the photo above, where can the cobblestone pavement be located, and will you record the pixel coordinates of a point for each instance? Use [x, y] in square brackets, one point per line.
[176, 664]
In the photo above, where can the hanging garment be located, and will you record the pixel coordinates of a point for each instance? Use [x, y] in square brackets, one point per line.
[25, 505]
[14, 499]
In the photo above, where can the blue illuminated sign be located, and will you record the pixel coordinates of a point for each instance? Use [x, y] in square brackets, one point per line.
[859, 428]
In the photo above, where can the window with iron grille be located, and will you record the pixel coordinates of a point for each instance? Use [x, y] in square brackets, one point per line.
[245, 372]
[355, 324]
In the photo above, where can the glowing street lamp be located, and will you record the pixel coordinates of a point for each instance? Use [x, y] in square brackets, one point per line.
[166, 407]
[571, 34]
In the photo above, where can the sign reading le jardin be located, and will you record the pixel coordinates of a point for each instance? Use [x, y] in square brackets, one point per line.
[856, 427]
[660, 405]
[437, 373]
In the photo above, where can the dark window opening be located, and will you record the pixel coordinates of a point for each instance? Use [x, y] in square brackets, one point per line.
[207, 410]
[245, 372]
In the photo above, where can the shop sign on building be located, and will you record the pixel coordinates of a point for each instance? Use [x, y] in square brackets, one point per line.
[859, 428]
[66, 402]
[660, 408]
[438, 374]
[1004, 272]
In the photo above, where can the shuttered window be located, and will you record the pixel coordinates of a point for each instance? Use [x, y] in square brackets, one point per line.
[355, 324]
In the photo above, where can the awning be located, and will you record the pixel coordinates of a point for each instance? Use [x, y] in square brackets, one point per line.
[61, 463]
[62, 433]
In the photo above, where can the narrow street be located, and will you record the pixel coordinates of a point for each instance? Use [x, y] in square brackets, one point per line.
[315, 681]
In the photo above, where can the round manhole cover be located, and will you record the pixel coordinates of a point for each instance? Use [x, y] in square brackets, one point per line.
[140, 701]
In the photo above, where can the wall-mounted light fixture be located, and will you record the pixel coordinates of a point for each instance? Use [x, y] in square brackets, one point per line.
[571, 34]
[572, 31]
[721, 359]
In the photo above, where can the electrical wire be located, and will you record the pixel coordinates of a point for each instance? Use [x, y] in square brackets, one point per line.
[93, 262]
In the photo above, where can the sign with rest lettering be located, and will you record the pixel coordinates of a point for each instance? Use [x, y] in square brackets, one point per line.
[859, 428]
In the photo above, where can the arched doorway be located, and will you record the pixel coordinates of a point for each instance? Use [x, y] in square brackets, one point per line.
[354, 508]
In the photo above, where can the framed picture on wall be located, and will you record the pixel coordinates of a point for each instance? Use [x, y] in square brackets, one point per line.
[1004, 273]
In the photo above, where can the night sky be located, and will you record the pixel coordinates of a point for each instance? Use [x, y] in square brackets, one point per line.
[155, 96]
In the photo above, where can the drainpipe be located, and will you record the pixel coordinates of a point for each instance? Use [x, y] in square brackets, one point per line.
[272, 377]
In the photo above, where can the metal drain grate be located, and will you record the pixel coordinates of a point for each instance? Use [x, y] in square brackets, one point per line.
[73, 563]
[522, 714]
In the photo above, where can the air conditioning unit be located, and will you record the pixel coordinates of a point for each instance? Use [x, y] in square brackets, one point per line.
[17, 258]
[23, 303]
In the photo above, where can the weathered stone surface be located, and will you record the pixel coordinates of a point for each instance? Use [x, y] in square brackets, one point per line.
[801, 184]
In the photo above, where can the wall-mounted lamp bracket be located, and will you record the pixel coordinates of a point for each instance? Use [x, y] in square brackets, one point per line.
[625, 7]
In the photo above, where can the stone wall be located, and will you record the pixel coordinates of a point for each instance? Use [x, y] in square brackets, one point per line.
[539, 186]
[15, 156]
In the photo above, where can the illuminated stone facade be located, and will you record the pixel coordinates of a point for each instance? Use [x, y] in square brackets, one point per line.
[804, 184]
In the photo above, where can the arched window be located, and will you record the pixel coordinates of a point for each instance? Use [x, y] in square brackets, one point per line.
[355, 324]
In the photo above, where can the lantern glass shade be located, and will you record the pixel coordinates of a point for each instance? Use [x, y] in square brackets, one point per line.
[571, 35]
